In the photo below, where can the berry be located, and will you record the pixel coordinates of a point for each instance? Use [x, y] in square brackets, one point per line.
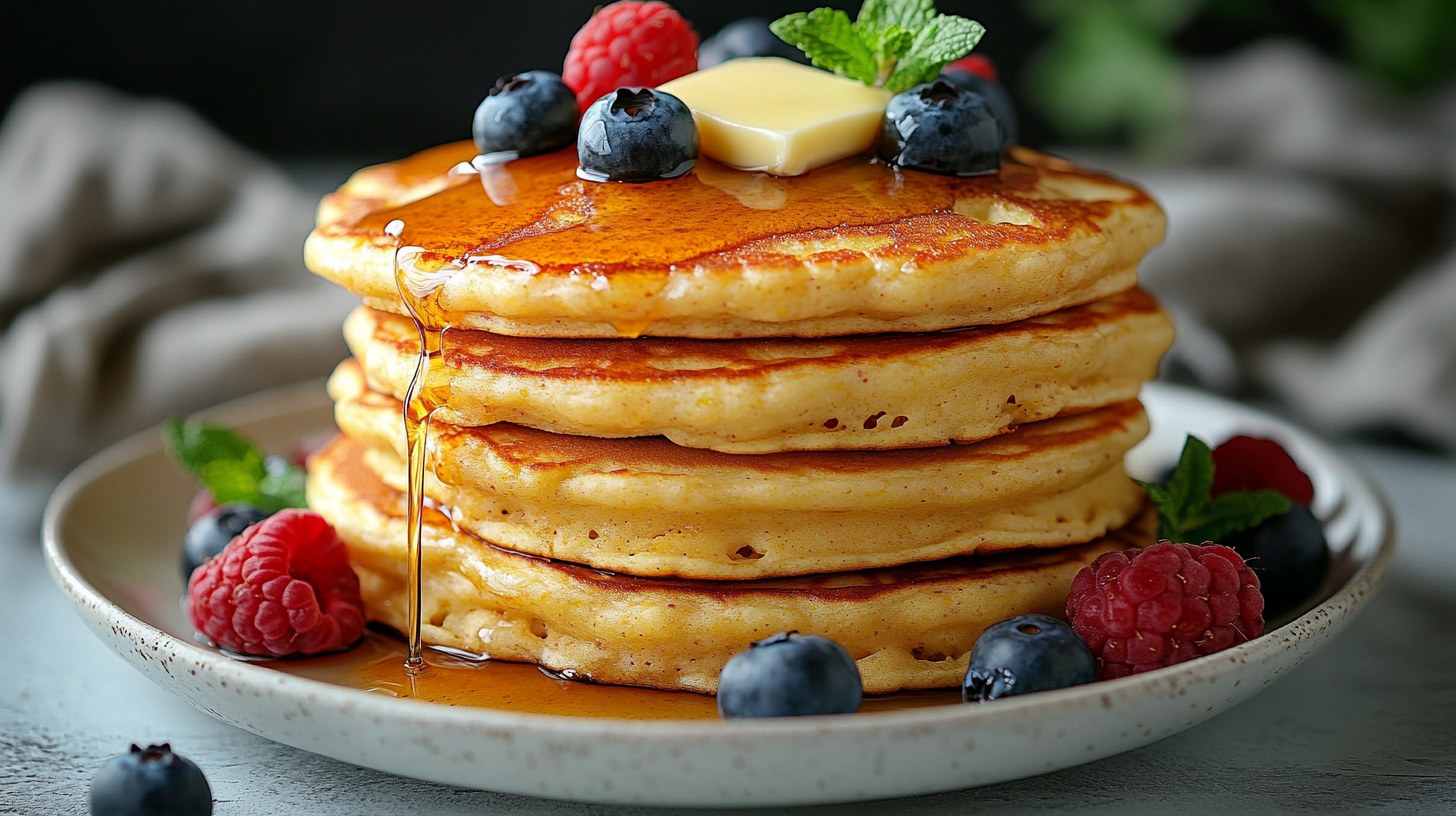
[283, 587]
[637, 134]
[212, 531]
[976, 65]
[750, 37]
[1026, 654]
[942, 128]
[1289, 553]
[148, 782]
[640, 45]
[790, 675]
[1251, 463]
[1140, 610]
[990, 90]
[526, 113]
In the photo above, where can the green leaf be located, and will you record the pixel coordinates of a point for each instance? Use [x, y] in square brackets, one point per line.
[910, 15]
[231, 467]
[284, 489]
[194, 443]
[1232, 512]
[831, 42]
[947, 38]
[1187, 515]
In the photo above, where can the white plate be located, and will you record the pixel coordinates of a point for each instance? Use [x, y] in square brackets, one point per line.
[112, 533]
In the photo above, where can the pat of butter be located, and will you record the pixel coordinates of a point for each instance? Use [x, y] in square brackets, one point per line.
[777, 116]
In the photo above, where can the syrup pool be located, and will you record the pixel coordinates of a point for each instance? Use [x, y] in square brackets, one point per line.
[377, 666]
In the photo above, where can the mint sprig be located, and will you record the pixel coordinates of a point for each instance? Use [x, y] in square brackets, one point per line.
[232, 468]
[892, 44]
[1186, 513]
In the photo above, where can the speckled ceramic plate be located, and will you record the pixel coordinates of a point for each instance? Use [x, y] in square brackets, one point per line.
[112, 532]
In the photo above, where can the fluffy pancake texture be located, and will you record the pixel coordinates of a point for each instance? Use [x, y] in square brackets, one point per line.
[645, 506]
[770, 395]
[855, 247]
[908, 627]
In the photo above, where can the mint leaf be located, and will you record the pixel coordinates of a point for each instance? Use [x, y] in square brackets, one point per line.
[947, 38]
[194, 443]
[1187, 515]
[231, 467]
[830, 41]
[894, 44]
[1232, 512]
[910, 15]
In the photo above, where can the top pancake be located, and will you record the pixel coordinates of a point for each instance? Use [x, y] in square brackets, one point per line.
[855, 247]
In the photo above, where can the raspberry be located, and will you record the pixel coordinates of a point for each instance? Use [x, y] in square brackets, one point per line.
[974, 64]
[629, 44]
[1251, 463]
[1141, 610]
[282, 587]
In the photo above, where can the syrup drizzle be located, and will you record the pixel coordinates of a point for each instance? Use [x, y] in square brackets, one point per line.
[420, 279]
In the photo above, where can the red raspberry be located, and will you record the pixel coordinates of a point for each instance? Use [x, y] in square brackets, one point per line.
[282, 587]
[1141, 610]
[974, 64]
[1251, 463]
[629, 44]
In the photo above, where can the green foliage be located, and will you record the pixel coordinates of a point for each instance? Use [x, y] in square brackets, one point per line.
[1186, 514]
[1109, 71]
[894, 44]
[1409, 44]
[231, 467]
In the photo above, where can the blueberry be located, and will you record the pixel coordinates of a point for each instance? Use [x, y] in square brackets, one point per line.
[790, 675]
[750, 37]
[637, 134]
[213, 530]
[1290, 555]
[527, 113]
[942, 128]
[995, 96]
[151, 782]
[1026, 654]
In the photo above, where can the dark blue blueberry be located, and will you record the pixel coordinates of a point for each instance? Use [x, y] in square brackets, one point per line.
[1025, 654]
[150, 782]
[526, 113]
[942, 128]
[213, 530]
[995, 96]
[790, 675]
[1290, 555]
[749, 37]
[636, 134]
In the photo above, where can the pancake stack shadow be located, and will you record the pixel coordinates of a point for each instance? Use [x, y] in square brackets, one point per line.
[891, 427]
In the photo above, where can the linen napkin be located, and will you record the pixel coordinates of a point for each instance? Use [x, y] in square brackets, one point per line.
[148, 268]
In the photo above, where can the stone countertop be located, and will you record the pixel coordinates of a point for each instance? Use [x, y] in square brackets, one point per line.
[1366, 725]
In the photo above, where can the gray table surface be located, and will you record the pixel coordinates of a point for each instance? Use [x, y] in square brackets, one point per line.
[1367, 725]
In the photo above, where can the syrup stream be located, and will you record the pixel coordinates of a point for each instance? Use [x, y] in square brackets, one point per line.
[419, 289]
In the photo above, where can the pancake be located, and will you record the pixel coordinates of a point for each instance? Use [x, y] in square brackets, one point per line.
[769, 395]
[648, 507]
[851, 248]
[908, 627]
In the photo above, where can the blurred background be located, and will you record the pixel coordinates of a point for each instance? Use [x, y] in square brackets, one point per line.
[159, 164]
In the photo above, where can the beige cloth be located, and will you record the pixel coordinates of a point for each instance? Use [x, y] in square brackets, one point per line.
[148, 268]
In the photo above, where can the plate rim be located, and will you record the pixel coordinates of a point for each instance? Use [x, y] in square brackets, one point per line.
[1324, 619]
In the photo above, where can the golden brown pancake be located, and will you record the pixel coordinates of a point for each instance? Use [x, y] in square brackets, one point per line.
[908, 627]
[770, 395]
[851, 248]
[648, 507]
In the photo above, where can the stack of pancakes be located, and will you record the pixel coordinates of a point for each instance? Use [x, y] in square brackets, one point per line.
[885, 407]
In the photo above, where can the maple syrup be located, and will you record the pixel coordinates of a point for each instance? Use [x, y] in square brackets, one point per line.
[377, 666]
